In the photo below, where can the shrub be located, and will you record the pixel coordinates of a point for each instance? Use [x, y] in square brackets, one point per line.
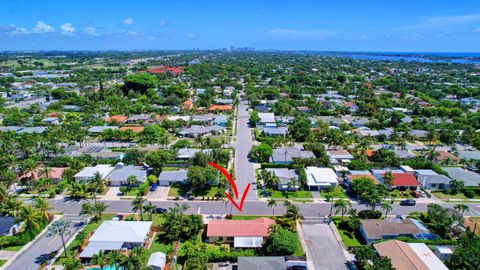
[281, 242]
[229, 216]
[369, 214]
[469, 193]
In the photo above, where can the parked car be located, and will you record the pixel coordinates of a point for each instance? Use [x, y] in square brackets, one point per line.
[154, 187]
[408, 202]
[160, 210]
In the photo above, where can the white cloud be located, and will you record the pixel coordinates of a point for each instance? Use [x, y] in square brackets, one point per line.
[67, 29]
[41, 28]
[293, 34]
[441, 22]
[128, 21]
[13, 30]
[91, 31]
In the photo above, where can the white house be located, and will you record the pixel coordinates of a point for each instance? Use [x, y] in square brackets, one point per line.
[88, 173]
[117, 235]
[320, 178]
[266, 119]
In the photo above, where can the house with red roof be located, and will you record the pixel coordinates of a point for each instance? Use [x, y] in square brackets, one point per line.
[240, 233]
[167, 70]
[400, 179]
[220, 108]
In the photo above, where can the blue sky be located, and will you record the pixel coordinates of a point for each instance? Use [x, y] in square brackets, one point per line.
[350, 25]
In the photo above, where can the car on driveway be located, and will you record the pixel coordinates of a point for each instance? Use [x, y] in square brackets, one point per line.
[154, 187]
[408, 202]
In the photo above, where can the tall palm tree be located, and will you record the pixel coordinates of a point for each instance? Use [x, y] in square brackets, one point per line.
[96, 184]
[456, 185]
[387, 207]
[272, 203]
[294, 214]
[137, 205]
[461, 208]
[388, 179]
[149, 209]
[342, 206]
[287, 203]
[42, 206]
[60, 228]
[100, 259]
[329, 198]
[99, 208]
[30, 216]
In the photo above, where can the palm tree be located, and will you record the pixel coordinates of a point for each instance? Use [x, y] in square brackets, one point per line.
[373, 199]
[131, 181]
[96, 183]
[99, 208]
[432, 154]
[30, 216]
[137, 205]
[342, 206]
[115, 257]
[456, 185]
[199, 262]
[388, 179]
[272, 203]
[72, 264]
[100, 259]
[149, 209]
[387, 206]
[287, 203]
[4, 195]
[329, 198]
[294, 214]
[42, 206]
[60, 228]
[13, 206]
[461, 208]
[87, 209]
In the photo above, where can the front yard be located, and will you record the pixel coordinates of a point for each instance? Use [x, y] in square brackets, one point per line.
[277, 194]
[349, 238]
[180, 190]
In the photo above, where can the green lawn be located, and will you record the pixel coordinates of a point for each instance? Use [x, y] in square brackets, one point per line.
[299, 250]
[13, 248]
[337, 192]
[349, 239]
[459, 195]
[246, 217]
[132, 192]
[2, 262]
[291, 194]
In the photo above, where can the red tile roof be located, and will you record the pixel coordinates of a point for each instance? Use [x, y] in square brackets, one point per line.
[234, 228]
[162, 69]
[404, 180]
[117, 118]
[220, 108]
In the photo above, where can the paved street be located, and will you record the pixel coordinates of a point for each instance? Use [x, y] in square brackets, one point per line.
[244, 170]
[39, 250]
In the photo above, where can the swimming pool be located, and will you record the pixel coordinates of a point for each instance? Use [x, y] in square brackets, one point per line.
[110, 267]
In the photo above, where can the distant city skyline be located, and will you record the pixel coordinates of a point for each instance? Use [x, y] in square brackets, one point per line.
[405, 26]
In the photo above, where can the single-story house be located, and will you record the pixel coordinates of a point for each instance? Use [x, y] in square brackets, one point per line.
[224, 101]
[354, 174]
[285, 155]
[138, 118]
[262, 108]
[320, 178]
[374, 230]
[331, 120]
[119, 176]
[117, 235]
[419, 134]
[339, 156]
[447, 158]
[469, 178]
[285, 176]
[134, 129]
[275, 131]
[262, 263]
[157, 261]
[173, 177]
[400, 180]
[116, 119]
[9, 226]
[408, 256]
[195, 131]
[403, 154]
[432, 180]
[366, 132]
[202, 118]
[221, 120]
[359, 122]
[469, 155]
[222, 108]
[100, 129]
[240, 233]
[54, 173]
[88, 173]
[188, 153]
[266, 119]
[32, 130]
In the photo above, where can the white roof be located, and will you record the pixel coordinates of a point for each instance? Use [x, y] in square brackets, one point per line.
[122, 231]
[317, 176]
[267, 117]
[427, 256]
[247, 242]
[95, 247]
[157, 259]
[87, 172]
[406, 168]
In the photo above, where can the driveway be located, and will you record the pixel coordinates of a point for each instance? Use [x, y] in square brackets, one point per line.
[322, 247]
[160, 194]
[244, 170]
[112, 194]
[38, 252]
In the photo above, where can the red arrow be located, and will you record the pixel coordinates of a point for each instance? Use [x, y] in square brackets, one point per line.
[234, 186]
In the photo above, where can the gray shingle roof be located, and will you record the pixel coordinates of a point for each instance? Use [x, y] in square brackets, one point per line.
[469, 178]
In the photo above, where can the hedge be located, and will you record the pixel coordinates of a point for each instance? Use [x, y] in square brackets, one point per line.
[369, 214]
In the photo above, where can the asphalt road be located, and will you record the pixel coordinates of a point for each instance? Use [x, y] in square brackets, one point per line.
[244, 170]
[39, 251]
